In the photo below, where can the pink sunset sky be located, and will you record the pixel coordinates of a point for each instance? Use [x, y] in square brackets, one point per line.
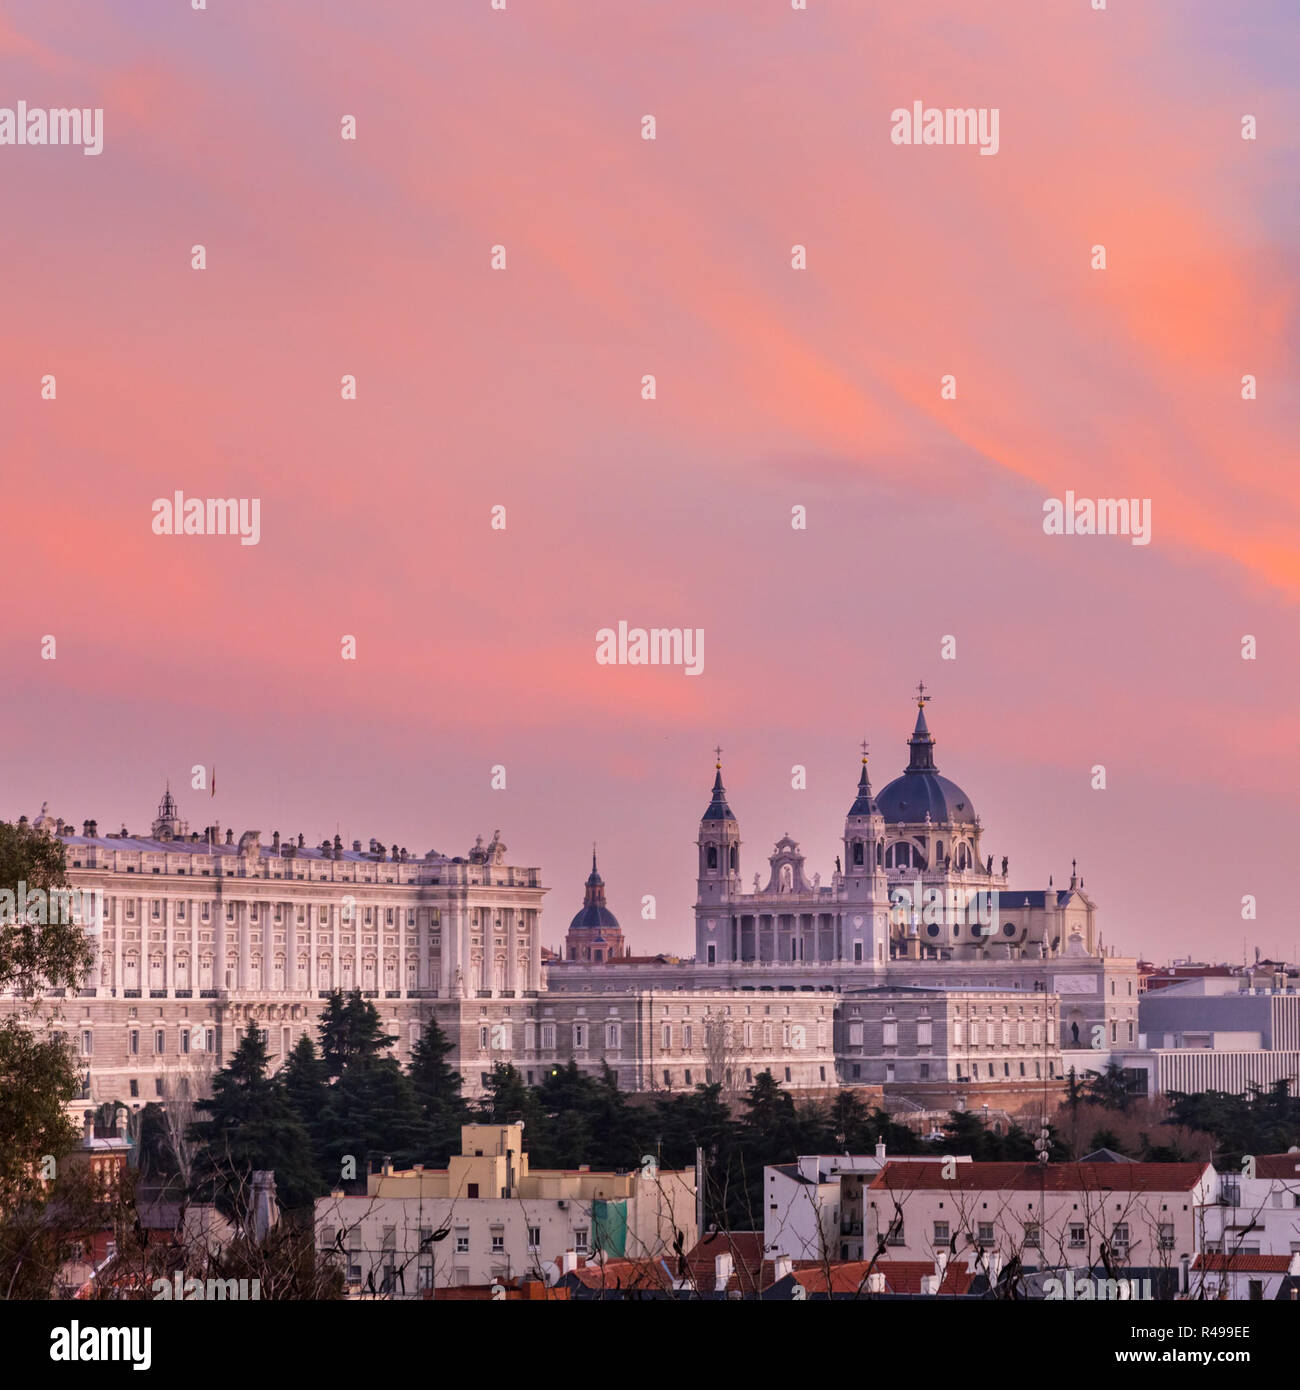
[776, 388]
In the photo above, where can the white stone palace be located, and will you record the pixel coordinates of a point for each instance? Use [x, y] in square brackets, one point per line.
[915, 965]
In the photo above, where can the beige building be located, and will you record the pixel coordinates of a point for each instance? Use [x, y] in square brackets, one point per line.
[1057, 1214]
[488, 1216]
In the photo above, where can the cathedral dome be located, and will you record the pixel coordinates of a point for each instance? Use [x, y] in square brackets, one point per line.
[593, 912]
[920, 791]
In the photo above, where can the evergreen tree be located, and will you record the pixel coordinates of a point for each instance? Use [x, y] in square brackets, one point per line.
[251, 1126]
[372, 1113]
[437, 1088]
[350, 1028]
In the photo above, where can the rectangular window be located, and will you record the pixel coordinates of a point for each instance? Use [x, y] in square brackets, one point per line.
[462, 1240]
[534, 1237]
[498, 1242]
[925, 1033]
[984, 1232]
[580, 1035]
[942, 1234]
[667, 1036]
[185, 1040]
[1031, 1235]
[855, 1035]
[1077, 1236]
[1166, 1235]
[890, 1033]
[471, 1190]
[686, 1037]
[159, 1040]
[580, 1240]
[87, 1042]
[1119, 1237]
[548, 1037]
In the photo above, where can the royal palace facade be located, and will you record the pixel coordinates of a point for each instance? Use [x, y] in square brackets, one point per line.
[915, 966]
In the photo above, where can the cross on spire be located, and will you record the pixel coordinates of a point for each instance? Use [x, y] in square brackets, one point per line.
[864, 750]
[922, 699]
[718, 752]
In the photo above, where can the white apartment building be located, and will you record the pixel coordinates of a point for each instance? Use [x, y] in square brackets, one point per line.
[1055, 1214]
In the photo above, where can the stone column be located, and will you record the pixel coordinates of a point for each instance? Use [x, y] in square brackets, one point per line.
[169, 954]
[119, 912]
[290, 911]
[512, 949]
[400, 913]
[245, 945]
[534, 922]
[193, 909]
[424, 930]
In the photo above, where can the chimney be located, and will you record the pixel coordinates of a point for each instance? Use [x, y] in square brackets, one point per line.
[568, 1262]
[994, 1260]
[941, 1264]
[930, 1284]
[781, 1266]
[301, 841]
[275, 842]
[387, 1168]
[876, 1282]
[230, 837]
[85, 829]
[880, 1153]
[723, 1269]
[356, 846]
[88, 1130]
[1186, 1263]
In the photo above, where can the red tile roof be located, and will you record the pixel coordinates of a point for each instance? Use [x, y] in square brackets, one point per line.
[1238, 1263]
[901, 1276]
[624, 1274]
[1031, 1177]
[1285, 1166]
[746, 1251]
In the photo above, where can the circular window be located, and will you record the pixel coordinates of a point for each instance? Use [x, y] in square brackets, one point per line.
[932, 929]
[1008, 929]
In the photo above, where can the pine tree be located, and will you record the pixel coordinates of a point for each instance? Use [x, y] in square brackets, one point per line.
[349, 1029]
[251, 1126]
[437, 1088]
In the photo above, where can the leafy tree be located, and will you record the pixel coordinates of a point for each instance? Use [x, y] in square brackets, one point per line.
[36, 954]
[37, 1079]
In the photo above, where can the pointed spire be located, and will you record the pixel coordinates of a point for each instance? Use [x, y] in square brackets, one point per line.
[595, 878]
[718, 808]
[922, 741]
[865, 804]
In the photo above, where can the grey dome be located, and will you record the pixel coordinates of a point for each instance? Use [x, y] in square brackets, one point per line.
[921, 791]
